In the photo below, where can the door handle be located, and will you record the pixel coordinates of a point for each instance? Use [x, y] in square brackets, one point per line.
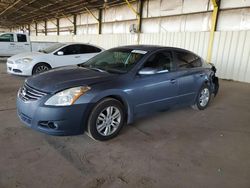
[12, 44]
[77, 56]
[26, 44]
[173, 81]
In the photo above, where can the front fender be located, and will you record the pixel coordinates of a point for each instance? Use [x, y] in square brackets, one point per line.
[119, 95]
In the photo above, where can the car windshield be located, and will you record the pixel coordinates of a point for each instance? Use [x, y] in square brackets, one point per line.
[115, 60]
[52, 48]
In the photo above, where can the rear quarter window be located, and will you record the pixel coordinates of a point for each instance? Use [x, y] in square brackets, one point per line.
[89, 49]
[186, 60]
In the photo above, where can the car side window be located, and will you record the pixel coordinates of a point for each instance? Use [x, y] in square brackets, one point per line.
[162, 61]
[187, 60]
[89, 49]
[21, 38]
[71, 50]
[7, 38]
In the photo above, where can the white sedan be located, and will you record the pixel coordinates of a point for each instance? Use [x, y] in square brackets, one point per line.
[58, 55]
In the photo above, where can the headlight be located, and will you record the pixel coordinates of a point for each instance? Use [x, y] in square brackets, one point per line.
[24, 60]
[67, 97]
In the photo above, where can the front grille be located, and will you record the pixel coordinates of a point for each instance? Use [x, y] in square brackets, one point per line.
[28, 93]
[17, 70]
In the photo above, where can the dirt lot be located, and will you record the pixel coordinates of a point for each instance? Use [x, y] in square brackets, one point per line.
[177, 148]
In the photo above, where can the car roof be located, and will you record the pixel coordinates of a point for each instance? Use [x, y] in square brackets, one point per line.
[150, 48]
[71, 43]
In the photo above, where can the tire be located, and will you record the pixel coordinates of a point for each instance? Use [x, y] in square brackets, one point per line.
[203, 98]
[40, 67]
[102, 126]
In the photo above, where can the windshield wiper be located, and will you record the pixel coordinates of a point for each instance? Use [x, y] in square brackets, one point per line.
[97, 69]
[91, 68]
[116, 71]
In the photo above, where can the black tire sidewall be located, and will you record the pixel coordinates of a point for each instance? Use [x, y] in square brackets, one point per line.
[198, 97]
[92, 131]
[38, 65]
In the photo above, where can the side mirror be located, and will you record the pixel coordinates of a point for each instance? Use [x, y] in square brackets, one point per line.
[60, 53]
[147, 71]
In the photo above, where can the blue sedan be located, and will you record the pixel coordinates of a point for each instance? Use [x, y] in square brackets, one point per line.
[114, 88]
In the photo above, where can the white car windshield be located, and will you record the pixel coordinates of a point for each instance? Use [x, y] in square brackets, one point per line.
[52, 48]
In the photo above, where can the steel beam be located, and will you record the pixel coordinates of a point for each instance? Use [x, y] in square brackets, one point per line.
[57, 26]
[45, 28]
[74, 23]
[29, 29]
[100, 22]
[138, 14]
[36, 28]
[213, 28]
[99, 19]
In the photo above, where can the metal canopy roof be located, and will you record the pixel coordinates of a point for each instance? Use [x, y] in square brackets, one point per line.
[20, 12]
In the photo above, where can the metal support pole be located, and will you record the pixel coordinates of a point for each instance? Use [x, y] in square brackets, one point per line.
[57, 26]
[29, 29]
[45, 28]
[99, 19]
[213, 28]
[74, 23]
[100, 22]
[138, 15]
[36, 28]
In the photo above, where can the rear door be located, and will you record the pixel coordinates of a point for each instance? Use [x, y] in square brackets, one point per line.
[190, 75]
[22, 44]
[156, 91]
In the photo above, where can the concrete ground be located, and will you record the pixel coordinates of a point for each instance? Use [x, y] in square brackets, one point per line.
[177, 148]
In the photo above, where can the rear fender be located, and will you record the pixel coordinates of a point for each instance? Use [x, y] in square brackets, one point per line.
[214, 81]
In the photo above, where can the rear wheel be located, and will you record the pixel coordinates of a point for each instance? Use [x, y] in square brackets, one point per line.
[106, 119]
[40, 67]
[203, 98]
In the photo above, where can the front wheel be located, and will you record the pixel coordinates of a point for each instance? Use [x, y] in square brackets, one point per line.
[40, 67]
[106, 120]
[203, 98]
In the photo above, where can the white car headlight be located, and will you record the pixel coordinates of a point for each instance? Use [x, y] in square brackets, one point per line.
[24, 60]
[67, 97]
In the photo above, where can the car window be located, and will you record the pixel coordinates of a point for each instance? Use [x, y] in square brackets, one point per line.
[21, 38]
[187, 60]
[52, 48]
[71, 49]
[162, 61]
[89, 49]
[6, 38]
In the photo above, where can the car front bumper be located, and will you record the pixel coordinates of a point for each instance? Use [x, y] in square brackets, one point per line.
[19, 69]
[68, 120]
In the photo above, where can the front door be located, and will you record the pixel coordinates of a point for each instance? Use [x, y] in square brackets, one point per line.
[156, 91]
[71, 56]
[7, 44]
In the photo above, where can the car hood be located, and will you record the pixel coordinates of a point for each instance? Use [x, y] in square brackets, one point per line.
[67, 77]
[26, 55]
